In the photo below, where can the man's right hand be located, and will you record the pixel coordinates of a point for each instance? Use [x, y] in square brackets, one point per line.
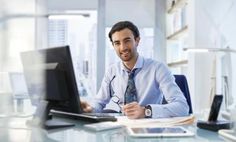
[86, 107]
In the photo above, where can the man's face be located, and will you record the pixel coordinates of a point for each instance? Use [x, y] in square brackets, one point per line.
[125, 44]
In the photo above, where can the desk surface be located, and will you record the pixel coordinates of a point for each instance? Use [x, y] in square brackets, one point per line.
[15, 129]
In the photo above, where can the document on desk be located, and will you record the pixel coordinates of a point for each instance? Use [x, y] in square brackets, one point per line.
[159, 122]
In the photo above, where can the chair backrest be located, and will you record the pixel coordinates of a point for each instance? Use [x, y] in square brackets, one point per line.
[181, 81]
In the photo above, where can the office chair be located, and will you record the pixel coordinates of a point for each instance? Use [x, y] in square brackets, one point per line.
[182, 82]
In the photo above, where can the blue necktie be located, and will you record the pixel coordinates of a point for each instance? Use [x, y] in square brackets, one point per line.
[131, 92]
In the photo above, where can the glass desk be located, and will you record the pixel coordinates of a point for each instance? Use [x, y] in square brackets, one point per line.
[15, 129]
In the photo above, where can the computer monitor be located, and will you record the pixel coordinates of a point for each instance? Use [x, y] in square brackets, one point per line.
[49, 75]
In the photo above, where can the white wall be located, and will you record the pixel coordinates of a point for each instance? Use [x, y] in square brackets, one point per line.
[160, 31]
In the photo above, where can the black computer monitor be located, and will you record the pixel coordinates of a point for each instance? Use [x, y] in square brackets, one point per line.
[49, 76]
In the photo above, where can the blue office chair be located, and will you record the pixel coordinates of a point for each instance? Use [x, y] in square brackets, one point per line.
[182, 82]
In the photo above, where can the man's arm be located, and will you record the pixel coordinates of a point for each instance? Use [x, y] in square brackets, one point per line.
[176, 102]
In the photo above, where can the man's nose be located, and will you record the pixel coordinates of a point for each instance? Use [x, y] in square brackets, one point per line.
[123, 46]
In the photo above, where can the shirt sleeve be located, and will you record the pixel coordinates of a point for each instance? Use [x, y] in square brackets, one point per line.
[176, 102]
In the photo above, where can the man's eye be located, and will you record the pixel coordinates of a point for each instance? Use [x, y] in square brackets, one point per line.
[127, 41]
[116, 44]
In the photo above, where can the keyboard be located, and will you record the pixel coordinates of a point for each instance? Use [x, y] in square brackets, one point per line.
[91, 117]
[98, 114]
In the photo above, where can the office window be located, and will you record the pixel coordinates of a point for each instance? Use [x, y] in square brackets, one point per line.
[78, 30]
[145, 47]
[57, 32]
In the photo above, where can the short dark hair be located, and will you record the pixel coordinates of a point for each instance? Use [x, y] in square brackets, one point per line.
[122, 25]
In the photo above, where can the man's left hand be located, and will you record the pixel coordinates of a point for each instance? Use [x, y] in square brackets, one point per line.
[133, 110]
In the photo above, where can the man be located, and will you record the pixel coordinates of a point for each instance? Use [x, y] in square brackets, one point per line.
[142, 92]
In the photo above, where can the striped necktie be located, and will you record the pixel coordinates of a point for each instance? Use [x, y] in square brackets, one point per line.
[131, 92]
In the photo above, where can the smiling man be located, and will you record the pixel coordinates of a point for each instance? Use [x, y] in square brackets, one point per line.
[141, 84]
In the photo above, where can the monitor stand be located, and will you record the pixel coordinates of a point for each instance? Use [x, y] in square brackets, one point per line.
[213, 124]
[44, 120]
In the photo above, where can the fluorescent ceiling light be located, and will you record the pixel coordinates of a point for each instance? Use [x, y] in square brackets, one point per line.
[209, 50]
[195, 50]
[64, 16]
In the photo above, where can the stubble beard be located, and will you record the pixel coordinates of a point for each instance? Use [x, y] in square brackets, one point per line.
[126, 55]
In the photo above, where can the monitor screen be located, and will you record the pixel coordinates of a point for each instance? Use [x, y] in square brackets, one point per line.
[49, 76]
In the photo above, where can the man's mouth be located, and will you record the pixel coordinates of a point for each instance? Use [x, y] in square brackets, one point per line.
[124, 53]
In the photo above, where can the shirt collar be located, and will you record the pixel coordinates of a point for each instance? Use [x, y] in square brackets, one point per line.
[138, 64]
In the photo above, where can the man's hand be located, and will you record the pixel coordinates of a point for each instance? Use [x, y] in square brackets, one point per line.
[86, 107]
[133, 110]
